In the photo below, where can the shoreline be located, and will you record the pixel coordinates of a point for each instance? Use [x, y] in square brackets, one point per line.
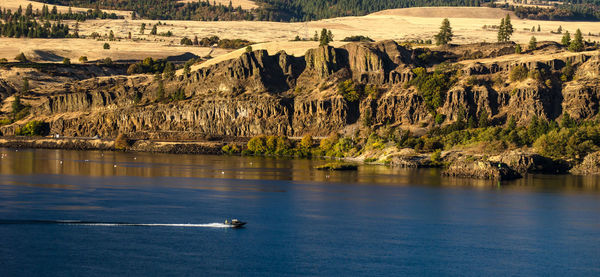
[507, 166]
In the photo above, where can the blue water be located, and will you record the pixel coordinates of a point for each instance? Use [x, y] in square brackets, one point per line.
[377, 221]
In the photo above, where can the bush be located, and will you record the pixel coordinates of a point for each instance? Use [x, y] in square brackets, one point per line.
[518, 73]
[307, 142]
[350, 91]
[33, 128]
[270, 145]
[66, 61]
[21, 57]
[358, 38]
[248, 49]
[230, 149]
[439, 118]
[83, 59]
[122, 142]
[431, 86]
[106, 45]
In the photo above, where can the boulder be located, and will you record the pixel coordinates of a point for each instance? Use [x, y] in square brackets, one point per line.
[481, 170]
[589, 166]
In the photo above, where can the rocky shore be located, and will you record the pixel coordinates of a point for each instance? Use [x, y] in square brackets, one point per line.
[506, 166]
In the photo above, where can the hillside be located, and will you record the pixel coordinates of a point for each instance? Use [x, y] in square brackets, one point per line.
[449, 12]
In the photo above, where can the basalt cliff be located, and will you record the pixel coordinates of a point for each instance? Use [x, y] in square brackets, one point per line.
[259, 93]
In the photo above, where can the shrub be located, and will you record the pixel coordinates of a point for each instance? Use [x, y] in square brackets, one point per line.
[122, 142]
[269, 145]
[106, 45]
[66, 61]
[186, 41]
[230, 149]
[248, 49]
[518, 49]
[358, 38]
[439, 118]
[518, 73]
[432, 86]
[567, 72]
[350, 91]
[307, 142]
[21, 57]
[33, 128]
[327, 143]
[83, 59]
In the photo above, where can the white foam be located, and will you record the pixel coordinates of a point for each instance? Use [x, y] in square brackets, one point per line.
[184, 225]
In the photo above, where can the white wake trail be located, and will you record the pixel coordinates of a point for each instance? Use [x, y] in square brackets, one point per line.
[184, 225]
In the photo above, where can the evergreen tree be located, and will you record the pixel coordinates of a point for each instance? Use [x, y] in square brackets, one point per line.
[25, 88]
[16, 105]
[532, 44]
[508, 28]
[324, 39]
[566, 39]
[169, 71]
[154, 30]
[577, 42]
[483, 119]
[518, 49]
[559, 30]
[445, 34]
[539, 28]
[501, 32]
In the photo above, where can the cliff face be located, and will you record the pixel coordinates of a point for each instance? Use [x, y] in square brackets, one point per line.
[259, 93]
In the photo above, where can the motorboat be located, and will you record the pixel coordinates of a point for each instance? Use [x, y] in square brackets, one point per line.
[234, 223]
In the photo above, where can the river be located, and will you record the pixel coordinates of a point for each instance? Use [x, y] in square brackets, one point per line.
[91, 213]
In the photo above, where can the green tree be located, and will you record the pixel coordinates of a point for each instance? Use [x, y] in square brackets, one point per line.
[154, 30]
[25, 88]
[501, 32]
[483, 119]
[445, 34]
[532, 44]
[539, 28]
[324, 39]
[106, 46]
[566, 39]
[505, 30]
[83, 59]
[577, 42]
[559, 30]
[16, 106]
[142, 28]
[66, 61]
[518, 49]
[169, 71]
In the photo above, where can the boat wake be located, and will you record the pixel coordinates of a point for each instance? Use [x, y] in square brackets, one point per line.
[115, 224]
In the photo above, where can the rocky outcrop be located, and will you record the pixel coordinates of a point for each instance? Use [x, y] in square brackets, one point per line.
[527, 162]
[481, 170]
[589, 166]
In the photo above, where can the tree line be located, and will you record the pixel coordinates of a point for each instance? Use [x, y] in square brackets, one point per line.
[570, 10]
[166, 9]
[271, 10]
[20, 25]
[215, 40]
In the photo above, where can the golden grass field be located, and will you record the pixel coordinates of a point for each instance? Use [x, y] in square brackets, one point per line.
[397, 24]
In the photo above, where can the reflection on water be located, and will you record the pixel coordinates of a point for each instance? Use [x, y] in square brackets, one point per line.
[105, 164]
